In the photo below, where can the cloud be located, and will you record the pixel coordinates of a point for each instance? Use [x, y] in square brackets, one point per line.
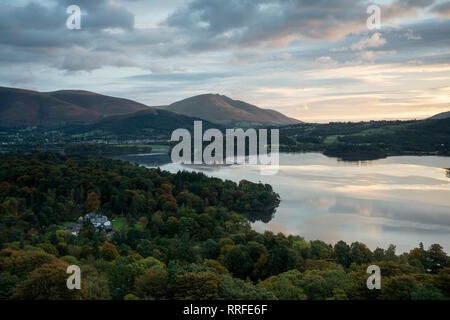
[442, 9]
[325, 62]
[374, 41]
[214, 25]
[81, 59]
[411, 36]
[181, 76]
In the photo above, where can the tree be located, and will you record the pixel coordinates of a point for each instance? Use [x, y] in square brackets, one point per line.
[96, 284]
[303, 248]
[21, 263]
[237, 289]
[92, 202]
[7, 283]
[359, 253]
[153, 284]
[442, 281]
[398, 288]
[285, 286]
[342, 252]
[109, 251]
[260, 268]
[314, 286]
[216, 265]
[338, 294]
[379, 254]
[427, 292]
[320, 250]
[236, 261]
[197, 286]
[436, 258]
[389, 254]
[48, 282]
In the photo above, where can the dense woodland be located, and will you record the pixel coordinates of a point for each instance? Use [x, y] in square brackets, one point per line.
[178, 236]
[105, 149]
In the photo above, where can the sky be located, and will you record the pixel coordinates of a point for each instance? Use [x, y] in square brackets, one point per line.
[313, 60]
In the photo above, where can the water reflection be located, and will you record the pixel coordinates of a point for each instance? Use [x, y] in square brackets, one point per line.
[399, 200]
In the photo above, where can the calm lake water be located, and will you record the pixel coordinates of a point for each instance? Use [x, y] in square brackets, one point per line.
[399, 200]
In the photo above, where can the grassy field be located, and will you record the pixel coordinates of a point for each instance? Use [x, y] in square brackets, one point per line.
[331, 139]
[117, 224]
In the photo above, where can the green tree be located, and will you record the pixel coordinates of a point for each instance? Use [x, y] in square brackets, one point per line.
[427, 292]
[7, 283]
[398, 288]
[342, 252]
[236, 260]
[285, 286]
[436, 258]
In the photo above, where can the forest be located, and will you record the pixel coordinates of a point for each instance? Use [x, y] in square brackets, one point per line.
[178, 236]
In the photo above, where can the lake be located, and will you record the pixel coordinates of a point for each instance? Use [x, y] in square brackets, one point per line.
[400, 200]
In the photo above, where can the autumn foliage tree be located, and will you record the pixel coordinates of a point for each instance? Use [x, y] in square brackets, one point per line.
[92, 202]
[197, 286]
[48, 282]
[153, 284]
[109, 251]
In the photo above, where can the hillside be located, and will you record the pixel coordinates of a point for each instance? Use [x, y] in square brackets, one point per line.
[102, 104]
[147, 122]
[442, 115]
[221, 109]
[20, 107]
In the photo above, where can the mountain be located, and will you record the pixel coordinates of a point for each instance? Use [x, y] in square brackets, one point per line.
[221, 109]
[442, 115]
[104, 105]
[20, 107]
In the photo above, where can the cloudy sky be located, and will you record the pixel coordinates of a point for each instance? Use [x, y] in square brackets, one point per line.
[314, 60]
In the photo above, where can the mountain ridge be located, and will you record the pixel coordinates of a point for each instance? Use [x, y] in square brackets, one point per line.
[442, 115]
[105, 105]
[222, 109]
[20, 107]
[23, 108]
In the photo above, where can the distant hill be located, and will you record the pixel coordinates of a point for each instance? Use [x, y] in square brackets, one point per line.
[20, 107]
[442, 115]
[221, 109]
[104, 105]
